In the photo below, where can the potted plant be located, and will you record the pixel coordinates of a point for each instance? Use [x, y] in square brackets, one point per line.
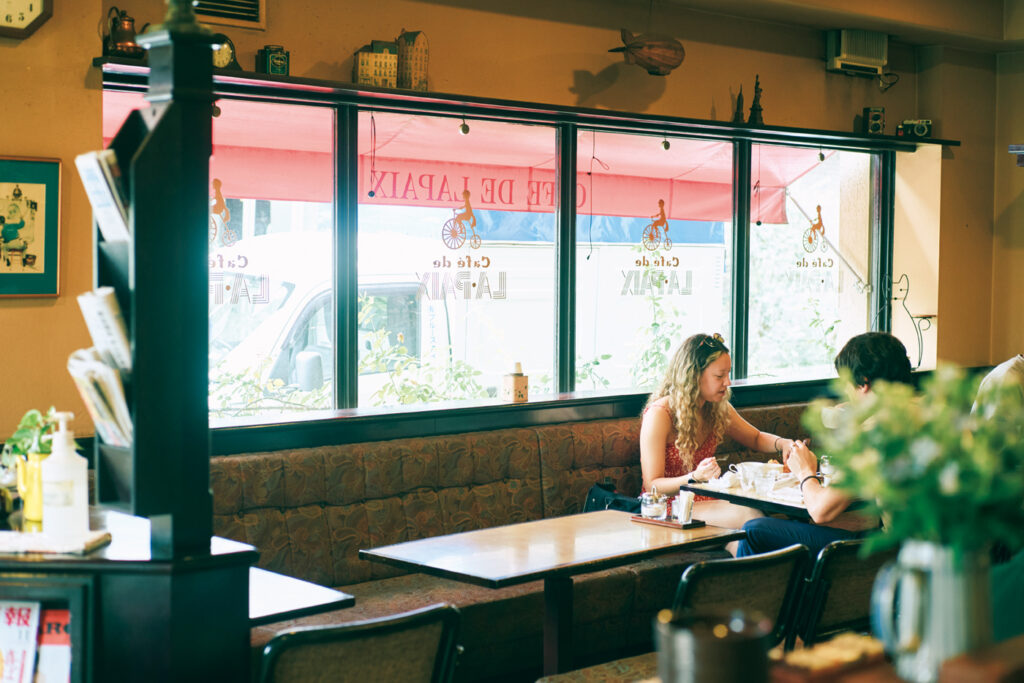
[946, 476]
[23, 453]
[32, 435]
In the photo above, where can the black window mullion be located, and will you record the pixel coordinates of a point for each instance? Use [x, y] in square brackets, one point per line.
[740, 256]
[346, 286]
[883, 171]
[565, 253]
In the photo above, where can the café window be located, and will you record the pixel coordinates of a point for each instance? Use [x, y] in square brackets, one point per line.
[810, 239]
[456, 264]
[271, 307]
[653, 262]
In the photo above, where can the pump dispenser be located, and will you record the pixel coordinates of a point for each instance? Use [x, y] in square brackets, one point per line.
[65, 487]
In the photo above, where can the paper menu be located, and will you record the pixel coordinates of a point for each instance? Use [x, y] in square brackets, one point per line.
[19, 622]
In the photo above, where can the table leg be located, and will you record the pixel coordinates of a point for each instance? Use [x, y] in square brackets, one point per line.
[557, 624]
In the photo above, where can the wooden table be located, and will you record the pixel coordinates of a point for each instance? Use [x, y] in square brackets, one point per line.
[551, 549]
[276, 597]
[767, 504]
[752, 499]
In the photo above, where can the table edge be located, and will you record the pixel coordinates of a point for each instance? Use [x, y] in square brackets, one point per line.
[563, 570]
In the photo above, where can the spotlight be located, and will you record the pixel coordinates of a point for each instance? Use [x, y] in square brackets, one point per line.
[464, 128]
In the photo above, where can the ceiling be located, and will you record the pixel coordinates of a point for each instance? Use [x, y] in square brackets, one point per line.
[982, 25]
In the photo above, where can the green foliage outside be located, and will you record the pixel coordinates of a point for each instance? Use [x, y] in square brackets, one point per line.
[244, 393]
[586, 371]
[430, 379]
[930, 466]
[411, 379]
[789, 326]
[657, 341]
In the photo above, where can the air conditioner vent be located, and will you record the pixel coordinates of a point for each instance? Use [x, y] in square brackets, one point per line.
[248, 13]
[857, 52]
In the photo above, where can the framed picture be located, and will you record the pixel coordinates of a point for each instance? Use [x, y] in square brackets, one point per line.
[29, 226]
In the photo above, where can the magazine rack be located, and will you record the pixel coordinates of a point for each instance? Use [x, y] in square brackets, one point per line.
[166, 600]
[160, 277]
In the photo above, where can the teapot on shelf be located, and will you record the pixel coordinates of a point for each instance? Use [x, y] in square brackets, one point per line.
[120, 40]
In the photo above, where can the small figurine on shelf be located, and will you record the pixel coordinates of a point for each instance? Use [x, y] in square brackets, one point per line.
[515, 388]
[755, 106]
[413, 56]
[737, 117]
[376, 64]
[120, 41]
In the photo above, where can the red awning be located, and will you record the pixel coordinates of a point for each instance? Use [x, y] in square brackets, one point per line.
[285, 152]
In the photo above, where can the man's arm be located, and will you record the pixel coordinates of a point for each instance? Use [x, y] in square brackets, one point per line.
[823, 504]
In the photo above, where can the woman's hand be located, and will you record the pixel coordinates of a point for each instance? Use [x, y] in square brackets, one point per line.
[706, 470]
[801, 460]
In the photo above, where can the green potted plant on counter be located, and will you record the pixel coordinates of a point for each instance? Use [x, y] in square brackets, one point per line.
[28, 446]
[946, 475]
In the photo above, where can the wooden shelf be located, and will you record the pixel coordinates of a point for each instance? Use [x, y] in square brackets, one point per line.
[133, 74]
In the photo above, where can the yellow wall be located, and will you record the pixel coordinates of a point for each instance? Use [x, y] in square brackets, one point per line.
[1008, 242]
[51, 109]
[960, 86]
[916, 220]
[548, 52]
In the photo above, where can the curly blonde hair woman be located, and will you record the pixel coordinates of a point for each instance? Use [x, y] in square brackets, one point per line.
[686, 419]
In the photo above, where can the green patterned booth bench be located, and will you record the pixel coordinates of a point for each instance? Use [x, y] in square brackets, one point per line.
[309, 511]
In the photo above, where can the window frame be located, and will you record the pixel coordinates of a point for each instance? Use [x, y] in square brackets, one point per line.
[347, 424]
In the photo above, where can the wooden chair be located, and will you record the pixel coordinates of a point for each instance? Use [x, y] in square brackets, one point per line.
[419, 645]
[769, 583]
[837, 595]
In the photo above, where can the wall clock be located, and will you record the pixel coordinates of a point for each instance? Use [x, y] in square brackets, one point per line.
[20, 18]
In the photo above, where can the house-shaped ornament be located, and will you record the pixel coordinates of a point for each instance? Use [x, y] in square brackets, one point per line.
[376, 64]
[413, 57]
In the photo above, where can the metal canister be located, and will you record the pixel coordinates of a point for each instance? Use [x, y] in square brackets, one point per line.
[272, 59]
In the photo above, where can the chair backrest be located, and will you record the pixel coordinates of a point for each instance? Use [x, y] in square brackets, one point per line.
[838, 593]
[412, 646]
[769, 583]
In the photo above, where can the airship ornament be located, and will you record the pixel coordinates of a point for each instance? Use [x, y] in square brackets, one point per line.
[656, 53]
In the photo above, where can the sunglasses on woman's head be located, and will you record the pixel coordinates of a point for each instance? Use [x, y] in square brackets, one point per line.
[714, 341]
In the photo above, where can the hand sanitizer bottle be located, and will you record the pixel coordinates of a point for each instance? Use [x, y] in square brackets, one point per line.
[65, 488]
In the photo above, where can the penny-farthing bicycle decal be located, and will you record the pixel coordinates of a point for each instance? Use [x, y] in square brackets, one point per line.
[815, 235]
[652, 233]
[454, 231]
[220, 216]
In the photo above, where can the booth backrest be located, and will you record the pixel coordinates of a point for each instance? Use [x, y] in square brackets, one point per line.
[309, 511]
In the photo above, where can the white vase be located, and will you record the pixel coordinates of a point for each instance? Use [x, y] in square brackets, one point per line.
[931, 604]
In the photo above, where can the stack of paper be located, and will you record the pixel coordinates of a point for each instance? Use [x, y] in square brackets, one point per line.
[106, 326]
[98, 370]
[19, 624]
[54, 646]
[22, 542]
[101, 390]
[101, 177]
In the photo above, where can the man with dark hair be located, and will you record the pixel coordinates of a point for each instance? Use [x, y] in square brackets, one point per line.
[870, 357]
[874, 356]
